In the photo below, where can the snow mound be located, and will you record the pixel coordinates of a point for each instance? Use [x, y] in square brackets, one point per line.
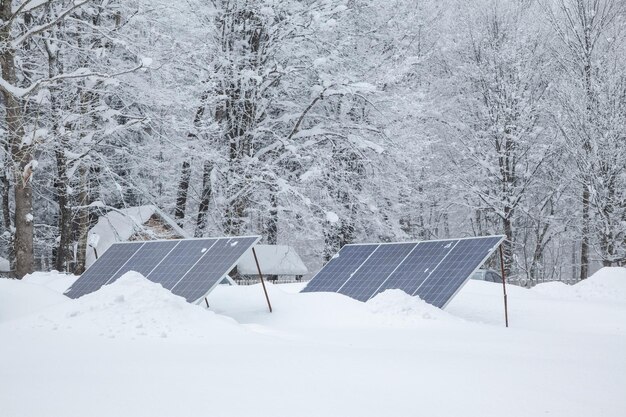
[134, 306]
[608, 284]
[53, 280]
[291, 310]
[19, 298]
[398, 307]
[301, 312]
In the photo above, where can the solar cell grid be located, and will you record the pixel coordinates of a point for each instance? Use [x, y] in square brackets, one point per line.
[418, 265]
[176, 264]
[190, 267]
[211, 268]
[102, 270]
[146, 258]
[433, 270]
[340, 268]
[375, 270]
[460, 263]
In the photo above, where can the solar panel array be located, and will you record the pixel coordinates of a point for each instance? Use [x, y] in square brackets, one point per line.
[190, 268]
[433, 270]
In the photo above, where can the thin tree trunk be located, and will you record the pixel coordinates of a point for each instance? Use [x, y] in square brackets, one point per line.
[5, 183]
[271, 224]
[83, 222]
[183, 191]
[507, 249]
[65, 213]
[203, 209]
[271, 228]
[62, 181]
[584, 244]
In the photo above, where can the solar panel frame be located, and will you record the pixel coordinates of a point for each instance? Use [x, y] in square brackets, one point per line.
[454, 242]
[254, 241]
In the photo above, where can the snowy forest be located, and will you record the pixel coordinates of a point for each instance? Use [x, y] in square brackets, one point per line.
[317, 123]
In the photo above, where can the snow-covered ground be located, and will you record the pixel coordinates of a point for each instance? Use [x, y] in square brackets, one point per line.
[133, 349]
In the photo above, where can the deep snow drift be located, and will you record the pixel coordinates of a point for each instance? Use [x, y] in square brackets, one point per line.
[134, 349]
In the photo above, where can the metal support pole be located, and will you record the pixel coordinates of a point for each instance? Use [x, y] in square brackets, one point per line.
[258, 268]
[506, 307]
[207, 302]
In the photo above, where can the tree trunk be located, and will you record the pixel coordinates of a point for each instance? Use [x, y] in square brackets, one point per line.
[183, 191]
[587, 74]
[65, 213]
[507, 248]
[5, 183]
[61, 182]
[24, 232]
[203, 209]
[83, 222]
[271, 226]
[584, 244]
[21, 154]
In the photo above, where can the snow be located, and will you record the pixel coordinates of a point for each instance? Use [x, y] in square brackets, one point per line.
[273, 260]
[332, 217]
[608, 285]
[134, 349]
[5, 265]
[146, 62]
[54, 280]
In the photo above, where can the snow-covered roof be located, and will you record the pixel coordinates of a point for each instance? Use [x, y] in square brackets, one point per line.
[120, 225]
[5, 265]
[274, 260]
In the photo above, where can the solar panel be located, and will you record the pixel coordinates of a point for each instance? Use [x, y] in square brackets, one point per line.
[460, 262]
[176, 264]
[190, 267]
[103, 269]
[417, 266]
[432, 270]
[375, 270]
[340, 268]
[211, 268]
[151, 255]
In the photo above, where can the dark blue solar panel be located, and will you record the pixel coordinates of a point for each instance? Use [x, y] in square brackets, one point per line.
[340, 268]
[147, 258]
[176, 264]
[433, 270]
[101, 271]
[375, 270]
[418, 266]
[212, 267]
[190, 268]
[458, 265]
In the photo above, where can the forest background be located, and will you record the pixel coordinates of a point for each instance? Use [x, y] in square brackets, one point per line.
[317, 123]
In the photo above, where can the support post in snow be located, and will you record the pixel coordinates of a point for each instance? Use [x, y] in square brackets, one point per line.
[506, 307]
[207, 302]
[258, 268]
